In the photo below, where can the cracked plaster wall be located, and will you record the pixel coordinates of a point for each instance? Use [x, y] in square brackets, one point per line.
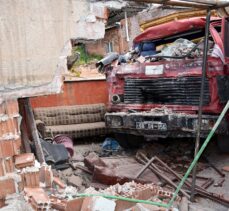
[34, 40]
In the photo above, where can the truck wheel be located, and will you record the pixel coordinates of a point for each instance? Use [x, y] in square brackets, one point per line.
[128, 141]
[223, 143]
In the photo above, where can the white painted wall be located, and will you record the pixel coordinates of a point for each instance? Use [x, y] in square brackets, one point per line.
[33, 34]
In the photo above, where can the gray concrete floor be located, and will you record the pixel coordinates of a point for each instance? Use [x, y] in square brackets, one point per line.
[219, 160]
[212, 153]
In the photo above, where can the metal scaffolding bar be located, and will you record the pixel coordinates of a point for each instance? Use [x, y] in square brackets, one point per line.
[204, 70]
[201, 4]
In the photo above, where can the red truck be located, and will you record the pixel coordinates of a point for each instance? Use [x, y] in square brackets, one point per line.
[159, 98]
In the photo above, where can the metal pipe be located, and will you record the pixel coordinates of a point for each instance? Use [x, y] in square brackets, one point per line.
[127, 28]
[226, 4]
[175, 3]
[204, 68]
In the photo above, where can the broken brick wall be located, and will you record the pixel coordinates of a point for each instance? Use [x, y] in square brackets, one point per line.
[35, 41]
[10, 143]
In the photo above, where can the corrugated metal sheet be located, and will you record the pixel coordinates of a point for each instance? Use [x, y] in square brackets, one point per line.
[32, 38]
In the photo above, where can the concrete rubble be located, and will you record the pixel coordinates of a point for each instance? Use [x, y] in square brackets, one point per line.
[40, 189]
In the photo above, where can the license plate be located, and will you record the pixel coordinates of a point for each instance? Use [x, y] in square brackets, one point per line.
[151, 125]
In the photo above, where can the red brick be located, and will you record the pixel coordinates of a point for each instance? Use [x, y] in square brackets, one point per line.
[30, 179]
[7, 187]
[37, 198]
[17, 146]
[9, 148]
[74, 204]
[2, 108]
[58, 182]
[7, 126]
[2, 203]
[87, 204]
[9, 164]
[24, 160]
[46, 175]
[2, 171]
[58, 204]
[12, 107]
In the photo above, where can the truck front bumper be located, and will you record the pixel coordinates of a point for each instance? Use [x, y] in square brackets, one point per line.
[162, 124]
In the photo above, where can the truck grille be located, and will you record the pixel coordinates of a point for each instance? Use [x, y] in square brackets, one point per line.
[179, 91]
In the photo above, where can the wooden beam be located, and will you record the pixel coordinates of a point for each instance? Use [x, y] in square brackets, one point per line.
[33, 129]
[24, 131]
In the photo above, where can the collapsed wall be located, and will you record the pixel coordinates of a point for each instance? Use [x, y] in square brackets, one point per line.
[35, 42]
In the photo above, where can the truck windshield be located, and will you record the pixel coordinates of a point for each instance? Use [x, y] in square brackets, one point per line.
[179, 46]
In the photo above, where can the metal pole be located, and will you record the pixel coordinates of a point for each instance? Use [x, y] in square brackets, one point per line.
[127, 28]
[204, 68]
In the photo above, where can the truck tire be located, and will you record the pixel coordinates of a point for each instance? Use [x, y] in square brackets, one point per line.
[223, 143]
[128, 141]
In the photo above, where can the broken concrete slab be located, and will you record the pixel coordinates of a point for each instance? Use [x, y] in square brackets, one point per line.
[67, 172]
[75, 181]
[146, 207]
[98, 204]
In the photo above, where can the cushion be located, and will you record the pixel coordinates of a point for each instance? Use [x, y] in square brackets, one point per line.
[65, 115]
[77, 130]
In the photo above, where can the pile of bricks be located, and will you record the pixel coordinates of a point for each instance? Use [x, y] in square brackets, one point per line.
[20, 172]
[10, 142]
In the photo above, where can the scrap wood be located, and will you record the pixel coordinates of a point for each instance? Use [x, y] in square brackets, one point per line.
[155, 170]
[214, 167]
[200, 191]
[219, 183]
[208, 183]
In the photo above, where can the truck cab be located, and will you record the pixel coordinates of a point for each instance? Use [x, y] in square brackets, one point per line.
[156, 93]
